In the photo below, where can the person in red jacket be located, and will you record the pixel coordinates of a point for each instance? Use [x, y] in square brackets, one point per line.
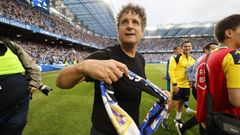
[223, 68]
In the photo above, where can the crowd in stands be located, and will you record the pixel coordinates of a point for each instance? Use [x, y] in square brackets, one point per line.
[49, 54]
[164, 57]
[62, 54]
[49, 22]
[166, 44]
[53, 54]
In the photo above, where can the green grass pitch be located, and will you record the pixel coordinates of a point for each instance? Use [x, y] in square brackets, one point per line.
[68, 112]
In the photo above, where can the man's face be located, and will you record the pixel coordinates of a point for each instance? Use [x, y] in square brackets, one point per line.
[213, 47]
[130, 29]
[236, 36]
[206, 51]
[187, 47]
[178, 51]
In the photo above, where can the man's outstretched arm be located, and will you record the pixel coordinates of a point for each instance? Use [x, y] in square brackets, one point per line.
[103, 70]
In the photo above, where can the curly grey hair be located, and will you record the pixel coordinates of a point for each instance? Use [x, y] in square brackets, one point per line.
[137, 9]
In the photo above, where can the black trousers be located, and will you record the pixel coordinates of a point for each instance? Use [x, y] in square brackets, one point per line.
[191, 123]
[14, 103]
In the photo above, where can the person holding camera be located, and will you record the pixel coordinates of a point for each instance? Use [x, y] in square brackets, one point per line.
[19, 77]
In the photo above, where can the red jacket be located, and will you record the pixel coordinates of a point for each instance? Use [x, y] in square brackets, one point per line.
[217, 85]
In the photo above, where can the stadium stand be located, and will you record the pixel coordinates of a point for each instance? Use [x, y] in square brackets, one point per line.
[166, 44]
[49, 22]
[154, 50]
[52, 54]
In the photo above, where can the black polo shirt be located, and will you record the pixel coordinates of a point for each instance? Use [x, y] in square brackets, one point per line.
[127, 95]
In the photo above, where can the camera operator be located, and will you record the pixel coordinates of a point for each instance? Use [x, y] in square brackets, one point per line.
[19, 77]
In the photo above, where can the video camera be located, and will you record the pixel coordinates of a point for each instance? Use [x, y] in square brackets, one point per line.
[45, 89]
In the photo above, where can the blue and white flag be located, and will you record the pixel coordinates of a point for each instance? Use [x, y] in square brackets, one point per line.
[122, 122]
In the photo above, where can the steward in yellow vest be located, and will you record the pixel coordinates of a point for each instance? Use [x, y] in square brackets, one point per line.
[19, 76]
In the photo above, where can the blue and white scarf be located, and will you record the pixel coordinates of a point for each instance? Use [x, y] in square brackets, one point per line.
[122, 122]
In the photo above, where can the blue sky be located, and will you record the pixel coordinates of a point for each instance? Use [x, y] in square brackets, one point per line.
[184, 11]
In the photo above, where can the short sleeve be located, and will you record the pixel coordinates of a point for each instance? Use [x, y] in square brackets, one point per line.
[98, 55]
[231, 69]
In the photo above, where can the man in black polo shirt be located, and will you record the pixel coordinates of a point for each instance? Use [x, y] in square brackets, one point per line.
[109, 65]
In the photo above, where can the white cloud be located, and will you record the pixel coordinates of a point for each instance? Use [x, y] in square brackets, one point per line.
[184, 11]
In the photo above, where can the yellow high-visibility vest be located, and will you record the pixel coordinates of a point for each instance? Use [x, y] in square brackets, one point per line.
[10, 64]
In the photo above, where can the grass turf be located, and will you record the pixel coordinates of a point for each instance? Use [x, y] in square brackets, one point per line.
[68, 112]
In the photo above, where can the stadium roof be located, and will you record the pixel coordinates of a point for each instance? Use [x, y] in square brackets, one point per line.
[180, 30]
[95, 15]
[98, 16]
